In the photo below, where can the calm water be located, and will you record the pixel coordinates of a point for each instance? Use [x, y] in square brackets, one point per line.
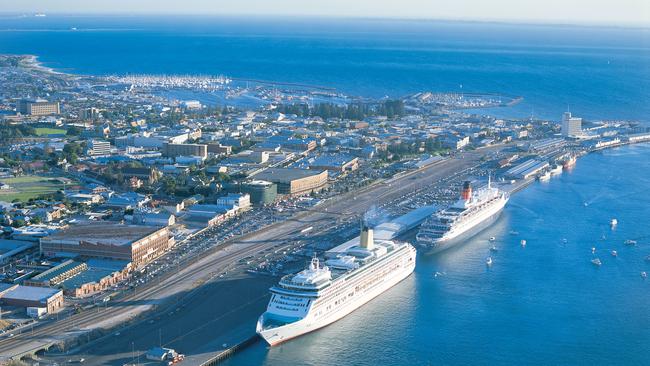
[601, 73]
[542, 305]
[545, 304]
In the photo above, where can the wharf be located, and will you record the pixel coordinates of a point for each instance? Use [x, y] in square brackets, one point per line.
[239, 338]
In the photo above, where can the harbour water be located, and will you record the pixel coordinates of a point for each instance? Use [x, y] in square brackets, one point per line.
[545, 304]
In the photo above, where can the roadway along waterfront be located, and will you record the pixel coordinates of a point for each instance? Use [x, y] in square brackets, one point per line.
[198, 282]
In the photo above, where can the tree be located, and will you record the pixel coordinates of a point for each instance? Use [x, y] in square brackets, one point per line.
[169, 185]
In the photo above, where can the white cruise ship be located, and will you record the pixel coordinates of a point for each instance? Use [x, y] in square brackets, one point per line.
[321, 295]
[473, 212]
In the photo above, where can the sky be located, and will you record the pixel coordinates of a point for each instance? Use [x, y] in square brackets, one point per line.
[616, 12]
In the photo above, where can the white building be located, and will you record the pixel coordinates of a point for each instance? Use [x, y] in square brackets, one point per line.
[99, 148]
[191, 104]
[242, 201]
[571, 126]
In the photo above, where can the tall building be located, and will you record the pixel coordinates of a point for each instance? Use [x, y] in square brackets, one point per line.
[99, 148]
[571, 126]
[38, 107]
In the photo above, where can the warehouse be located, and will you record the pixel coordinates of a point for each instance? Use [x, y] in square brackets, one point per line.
[336, 163]
[294, 181]
[31, 297]
[527, 169]
[137, 244]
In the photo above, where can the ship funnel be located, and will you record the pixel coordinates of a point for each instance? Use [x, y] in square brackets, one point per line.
[467, 191]
[366, 239]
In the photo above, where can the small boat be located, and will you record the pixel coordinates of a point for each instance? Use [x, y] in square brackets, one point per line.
[564, 240]
[613, 222]
[545, 177]
[644, 275]
[557, 170]
[488, 261]
[523, 242]
[614, 253]
[596, 262]
[629, 242]
[593, 250]
[494, 249]
[492, 238]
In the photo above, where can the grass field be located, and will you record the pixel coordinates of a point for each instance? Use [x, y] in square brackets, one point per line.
[45, 131]
[29, 186]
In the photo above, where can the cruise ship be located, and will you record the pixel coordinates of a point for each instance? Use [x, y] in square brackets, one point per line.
[473, 212]
[322, 294]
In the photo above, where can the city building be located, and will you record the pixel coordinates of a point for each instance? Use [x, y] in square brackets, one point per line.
[99, 148]
[138, 244]
[38, 107]
[191, 104]
[31, 297]
[89, 113]
[217, 148]
[57, 274]
[335, 163]
[545, 145]
[174, 150]
[455, 142]
[153, 219]
[99, 275]
[292, 181]
[571, 126]
[148, 175]
[241, 201]
[527, 169]
[261, 192]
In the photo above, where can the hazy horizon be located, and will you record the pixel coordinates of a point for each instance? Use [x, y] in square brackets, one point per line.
[577, 12]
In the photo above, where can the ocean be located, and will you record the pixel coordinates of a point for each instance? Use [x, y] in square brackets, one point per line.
[545, 304]
[597, 73]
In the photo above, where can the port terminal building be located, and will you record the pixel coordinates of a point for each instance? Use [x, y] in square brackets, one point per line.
[527, 169]
[389, 230]
[137, 244]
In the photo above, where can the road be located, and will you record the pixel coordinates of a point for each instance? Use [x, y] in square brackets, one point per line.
[192, 278]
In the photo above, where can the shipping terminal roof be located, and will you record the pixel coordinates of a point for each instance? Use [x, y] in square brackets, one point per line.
[104, 233]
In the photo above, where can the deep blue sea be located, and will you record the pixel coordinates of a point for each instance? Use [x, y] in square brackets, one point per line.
[545, 304]
[599, 73]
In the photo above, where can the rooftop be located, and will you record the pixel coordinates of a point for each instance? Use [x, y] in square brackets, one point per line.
[285, 174]
[57, 270]
[31, 293]
[103, 232]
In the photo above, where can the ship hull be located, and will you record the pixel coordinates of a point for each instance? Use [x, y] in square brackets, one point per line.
[277, 335]
[446, 243]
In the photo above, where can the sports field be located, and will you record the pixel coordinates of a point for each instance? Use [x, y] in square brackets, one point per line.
[28, 186]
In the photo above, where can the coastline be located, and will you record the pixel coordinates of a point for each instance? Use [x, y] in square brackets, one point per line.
[34, 63]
